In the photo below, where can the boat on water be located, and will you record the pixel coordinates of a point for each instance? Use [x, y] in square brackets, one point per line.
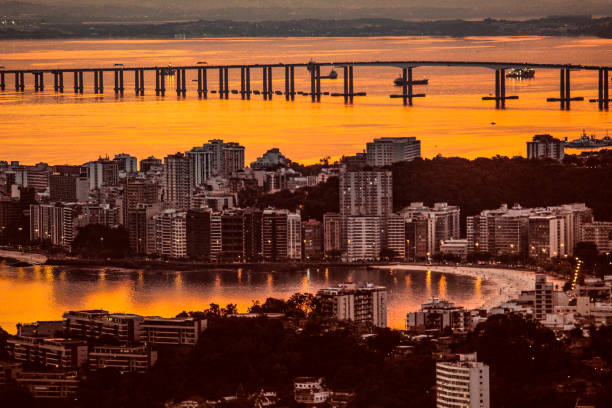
[521, 73]
[399, 81]
[589, 142]
[332, 74]
[169, 70]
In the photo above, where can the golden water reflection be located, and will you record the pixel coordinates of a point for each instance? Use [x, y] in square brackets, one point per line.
[29, 295]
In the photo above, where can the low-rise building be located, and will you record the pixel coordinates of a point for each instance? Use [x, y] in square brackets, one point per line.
[126, 359]
[63, 354]
[310, 391]
[49, 384]
[362, 304]
[437, 315]
[160, 330]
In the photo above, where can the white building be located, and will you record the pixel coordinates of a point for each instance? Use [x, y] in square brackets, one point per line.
[544, 298]
[126, 163]
[441, 223]
[54, 223]
[600, 233]
[363, 238]
[387, 150]
[200, 166]
[463, 383]
[160, 330]
[545, 147]
[171, 233]
[294, 236]
[310, 391]
[395, 235]
[362, 304]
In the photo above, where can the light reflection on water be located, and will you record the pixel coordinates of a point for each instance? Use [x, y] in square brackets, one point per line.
[451, 120]
[27, 295]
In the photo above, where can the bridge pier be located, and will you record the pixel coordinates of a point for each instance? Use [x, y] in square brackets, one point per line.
[139, 82]
[500, 90]
[270, 89]
[221, 83]
[78, 82]
[160, 82]
[603, 99]
[119, 81]
[39, 82]
[2, 82]
[202, 83]
[264, 86]
[58, 81]
[318, 77]
[242, 83]
[292, 82]
[19, 81]
[565, 90]
[181, 87]
[287, 95]
[98, 81]
[315, 82]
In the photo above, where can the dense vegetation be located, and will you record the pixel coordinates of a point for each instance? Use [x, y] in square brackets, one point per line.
[529, 366]
[100, 241]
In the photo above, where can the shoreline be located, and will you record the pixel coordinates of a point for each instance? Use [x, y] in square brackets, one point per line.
[509, 282]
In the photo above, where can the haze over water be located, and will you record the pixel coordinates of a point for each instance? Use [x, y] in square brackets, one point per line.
[451, 120]
[45, 292]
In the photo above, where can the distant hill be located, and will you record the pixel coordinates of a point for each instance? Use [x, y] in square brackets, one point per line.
[258, 10]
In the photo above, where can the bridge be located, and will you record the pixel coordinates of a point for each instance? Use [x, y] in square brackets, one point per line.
[205, 72]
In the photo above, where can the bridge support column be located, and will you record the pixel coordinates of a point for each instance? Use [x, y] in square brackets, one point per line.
[35, 81]
[318, 77]
[221, 83]
[565, 96]
[345, 78]
[350, 85]
[242, 83]
[136, 82]
[61, 81]
[606, 96]
[248, 82]
[179, 82]
[17, 83]
[264, 85]
[270, 89]
[407, 86]
[312, 82]
[292, 82]
[226, 91]
[287, 96]
[96, 85]
[76, 81]
[202, 83]
[500, 90]
[157, 88]
[2, 81]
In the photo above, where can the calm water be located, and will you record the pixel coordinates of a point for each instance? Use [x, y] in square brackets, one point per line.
[451, 120]
[44, 293]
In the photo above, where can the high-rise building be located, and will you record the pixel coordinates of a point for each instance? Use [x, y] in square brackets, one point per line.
[126, 163]
[312, 238]
[545, 147]
[366, 194]
[600, 233]
[199, 234]
[363, 237]
[146, 164]
[232, 236]
[544, 298]
[170, 233]
[200, 166]
[395, 226]
[270, 160]
[546, 236]
[141, 228]
[332, 232]
[520, 230]
[68, 188]
[102, 172]
[463, 383]
[177, 190]
[53, 222]
[227, 158]
[441, 222]
[294, 236]
[274, 235]
[362, 304]
[253, 222]
[388, 150]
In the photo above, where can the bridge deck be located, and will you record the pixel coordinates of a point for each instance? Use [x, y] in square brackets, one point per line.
[396, 64]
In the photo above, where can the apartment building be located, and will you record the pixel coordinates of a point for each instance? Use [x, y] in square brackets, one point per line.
[363, 304]
[463, 383]
[125, 359]
[53, 353]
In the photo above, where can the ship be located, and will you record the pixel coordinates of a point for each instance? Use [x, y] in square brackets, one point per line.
[399, 81]
[521, 73]
[586, 142]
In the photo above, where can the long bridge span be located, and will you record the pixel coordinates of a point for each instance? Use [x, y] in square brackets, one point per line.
[213, 79]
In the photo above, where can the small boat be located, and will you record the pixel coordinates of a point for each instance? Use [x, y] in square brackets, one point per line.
[332, 74]
[521, 73]
[202, 63]
[399, 81]
[117, 65]
[168, 70]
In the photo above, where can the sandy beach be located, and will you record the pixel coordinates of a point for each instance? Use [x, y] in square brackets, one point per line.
[510, 282]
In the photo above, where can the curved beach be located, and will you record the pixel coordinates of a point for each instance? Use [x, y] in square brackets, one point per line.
[510, 282]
